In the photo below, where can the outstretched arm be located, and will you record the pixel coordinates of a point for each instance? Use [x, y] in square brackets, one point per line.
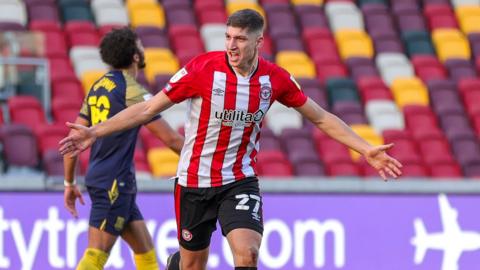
[128, 118]
[71, 192]
[162, 130]
[376, 156]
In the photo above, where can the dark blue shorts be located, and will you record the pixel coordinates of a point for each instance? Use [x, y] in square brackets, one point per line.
[112, 212]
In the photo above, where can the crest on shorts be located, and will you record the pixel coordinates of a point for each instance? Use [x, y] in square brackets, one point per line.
[265, 92]
[186, 235]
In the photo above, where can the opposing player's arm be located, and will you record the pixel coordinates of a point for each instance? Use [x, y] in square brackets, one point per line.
[162, 130]
[71, 193]
[133, 116]
[69, 163]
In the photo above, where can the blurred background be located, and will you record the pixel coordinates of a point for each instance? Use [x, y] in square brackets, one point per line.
[397, 71]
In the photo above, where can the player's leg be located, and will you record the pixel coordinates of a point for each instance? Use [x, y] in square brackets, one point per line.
[196, 213]
[240, 215]
[245, 244]
[140, 241]
[101, 232]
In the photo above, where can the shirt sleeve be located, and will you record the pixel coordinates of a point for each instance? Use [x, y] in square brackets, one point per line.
[291, 94]
[84, 111]
[135, 93]
[184, 85]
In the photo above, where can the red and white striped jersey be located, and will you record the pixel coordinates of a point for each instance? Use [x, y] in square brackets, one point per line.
[224, 115]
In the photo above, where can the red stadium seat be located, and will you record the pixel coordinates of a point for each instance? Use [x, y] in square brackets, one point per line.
[342, 169]
[406, 152]
[61, 69]
[84, 39]
[448, 170]
[393, 135]
[419, 117]
[211, 16]
[435, 151]
[331, 151]
[55, 44]
[26, 110]
[67, 89]
[64, 110]
[48, 137]
[273, 163]
[149, 140]
[326, 71]
[45, 26]
[428, 67]
[414, 170]
[439, 16]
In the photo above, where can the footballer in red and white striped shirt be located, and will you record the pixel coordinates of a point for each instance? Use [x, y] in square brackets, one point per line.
[224, 116]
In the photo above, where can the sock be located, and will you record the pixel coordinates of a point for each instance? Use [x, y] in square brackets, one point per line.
[245, 268]
[174, 261]
[93, 259]
[146, 261]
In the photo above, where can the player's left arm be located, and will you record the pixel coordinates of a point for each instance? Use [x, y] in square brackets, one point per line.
[71, 192]
[162, 130]
[338, 130]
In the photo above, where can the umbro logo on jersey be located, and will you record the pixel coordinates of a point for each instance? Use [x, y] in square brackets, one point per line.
[218, 92]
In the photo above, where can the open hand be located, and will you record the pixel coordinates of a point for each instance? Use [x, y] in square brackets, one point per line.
[378, 158]
[76, 142]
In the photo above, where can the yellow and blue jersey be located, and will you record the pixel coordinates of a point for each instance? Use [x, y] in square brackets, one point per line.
[111, 163]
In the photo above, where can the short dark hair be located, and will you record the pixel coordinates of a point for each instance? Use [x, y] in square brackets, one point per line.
[247, 18]
[118, 47]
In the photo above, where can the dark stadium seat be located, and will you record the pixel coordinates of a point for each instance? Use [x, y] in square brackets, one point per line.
[418, 43]
[460, 68]
[43, 11]
[309, 168]
[19, 145]
[466, 151]
[52, 162]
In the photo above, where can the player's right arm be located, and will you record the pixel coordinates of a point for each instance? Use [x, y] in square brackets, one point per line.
[71, 192]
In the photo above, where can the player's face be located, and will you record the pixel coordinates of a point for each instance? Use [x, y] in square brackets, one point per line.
[242, 47]
[141, 56]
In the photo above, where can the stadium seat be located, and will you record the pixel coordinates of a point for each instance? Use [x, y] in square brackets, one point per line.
[468, 18]
[342, 169]
[409, 91]
[354, 43]
[52, 162]
[393, 66]
[161, 61]
[440, 15]
[343, 15]
[383, 115]
[418, 43]
[368, 134]
[69, 89]
[233, 6]
[163, 161]
[280, 117]
[273, 163]
[26, 110]
[61, 69]
[90, 77]
[64, 110]
[146, 13]
[307, 2]
[450, 44]
[13, 12]
[296, 63]
[428, 67]
[414, 170]
[213, 36]
[19, 145]
[48, 137]
[341, 89]
[42, 12]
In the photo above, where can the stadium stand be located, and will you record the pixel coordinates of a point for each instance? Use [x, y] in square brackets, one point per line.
[403, 72]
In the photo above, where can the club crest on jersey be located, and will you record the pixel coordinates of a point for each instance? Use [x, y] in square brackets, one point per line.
[265, 92]
[175, 78]
[186, 235]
